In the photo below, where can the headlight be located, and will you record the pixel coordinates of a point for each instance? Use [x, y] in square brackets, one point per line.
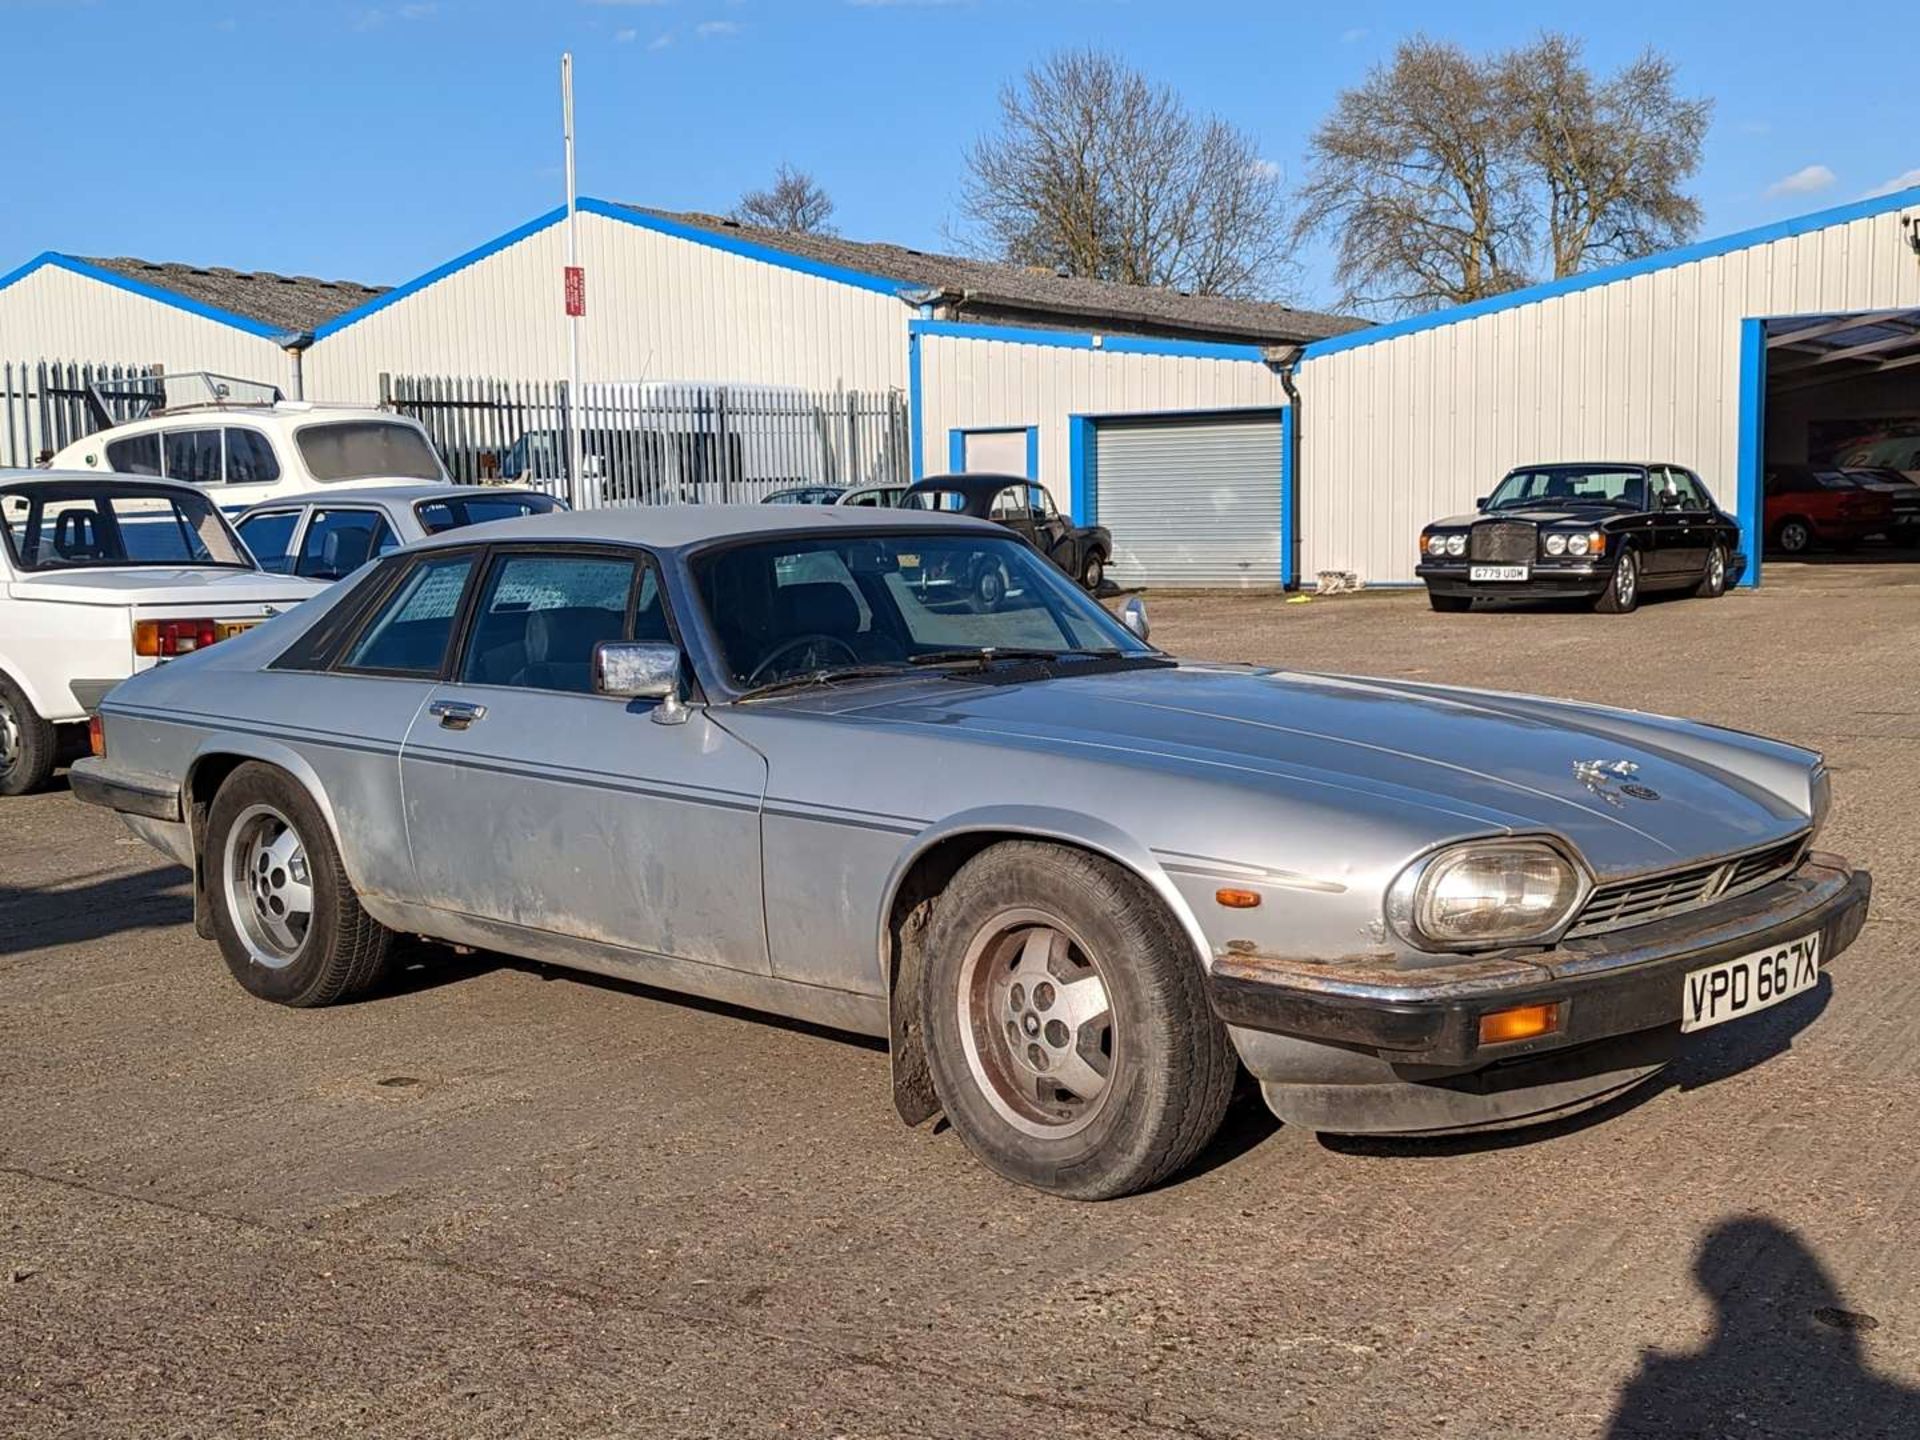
[1491, 892]
[1576, 544]
[1820, 793]
[1556, 544]
[1456, 545]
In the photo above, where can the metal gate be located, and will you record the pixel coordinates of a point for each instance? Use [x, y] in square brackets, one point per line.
[1193, 500]
[649, 443]
[43, 405]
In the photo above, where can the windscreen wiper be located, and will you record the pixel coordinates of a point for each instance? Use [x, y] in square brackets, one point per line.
[827, 675]
[986, 655]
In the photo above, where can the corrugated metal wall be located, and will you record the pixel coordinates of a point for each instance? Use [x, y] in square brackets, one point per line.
[56, 314]
[1406, 429]
[971, 384]
[658, 308]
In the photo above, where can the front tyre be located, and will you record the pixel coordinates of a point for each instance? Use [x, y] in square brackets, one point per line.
[29, 745]
[1093, 572]
[1068, 1031]
[286, 918]
[1622, 594]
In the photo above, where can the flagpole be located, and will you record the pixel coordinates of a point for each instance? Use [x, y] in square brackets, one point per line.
[577, 484]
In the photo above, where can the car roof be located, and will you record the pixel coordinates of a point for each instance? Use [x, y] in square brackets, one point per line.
[338, 497]
[971, 483]
[104, 480]
[680, 527]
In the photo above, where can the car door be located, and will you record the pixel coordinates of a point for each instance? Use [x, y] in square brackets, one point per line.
[1699, 525]
[1667, 531]
[534, 803]
[339, 539]
[1053, 532]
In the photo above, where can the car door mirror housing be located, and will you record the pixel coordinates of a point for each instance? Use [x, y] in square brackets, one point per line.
[1133, 615]
[1481, 503]
[640, 670]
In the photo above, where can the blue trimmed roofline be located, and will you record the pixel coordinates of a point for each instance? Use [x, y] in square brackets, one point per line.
[1593, 279]
[53, 259]
[626, 215]
[440, 272]
[1084, 340]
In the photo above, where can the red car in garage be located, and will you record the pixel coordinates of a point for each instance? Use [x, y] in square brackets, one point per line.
[1807, 507]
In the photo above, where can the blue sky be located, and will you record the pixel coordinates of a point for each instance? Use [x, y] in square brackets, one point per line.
[371, 141]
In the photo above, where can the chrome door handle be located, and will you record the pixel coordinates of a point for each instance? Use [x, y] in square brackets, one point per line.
[456, 714]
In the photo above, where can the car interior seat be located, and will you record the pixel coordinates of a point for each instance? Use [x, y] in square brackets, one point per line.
[76, 536]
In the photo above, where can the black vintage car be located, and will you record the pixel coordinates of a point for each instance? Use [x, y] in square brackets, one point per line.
[1026, 508]
[1604, 532]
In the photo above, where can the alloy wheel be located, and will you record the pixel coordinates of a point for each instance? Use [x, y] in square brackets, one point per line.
[1037, 1024]
[1626, 580]
[269, 887]
[1793, 537]
[1716, 571]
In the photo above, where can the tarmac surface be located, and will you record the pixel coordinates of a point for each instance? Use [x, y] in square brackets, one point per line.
[501, 1200]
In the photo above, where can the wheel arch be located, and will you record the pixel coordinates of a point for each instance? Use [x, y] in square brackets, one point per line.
[922, 873]
[217, 757]
[18, 675]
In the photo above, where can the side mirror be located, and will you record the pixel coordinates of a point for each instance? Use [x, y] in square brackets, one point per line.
[1133, 615]
[1481, 503]
[641, 670]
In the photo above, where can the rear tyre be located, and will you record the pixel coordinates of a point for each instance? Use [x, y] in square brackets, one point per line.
[1792, 537]
[1450, 604]
[1093, 572]
[286, 917]
[1068, 1032]
[29, 745]
[1714, 582]
[1622, 595]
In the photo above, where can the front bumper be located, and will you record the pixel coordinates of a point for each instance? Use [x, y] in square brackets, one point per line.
[1605, 985]
[1544, 580]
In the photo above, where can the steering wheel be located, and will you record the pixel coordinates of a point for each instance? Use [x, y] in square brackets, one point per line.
[800, 642]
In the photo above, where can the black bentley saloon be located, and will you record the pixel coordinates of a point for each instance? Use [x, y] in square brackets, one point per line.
[1602, 532]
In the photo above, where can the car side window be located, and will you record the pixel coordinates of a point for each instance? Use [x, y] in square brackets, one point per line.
[541, 616]
[1011, 504]
[194, 456]
[135, 455]
[1693, 495]
[339, 542]
[408, 635]
[250, 458]
[269, 536]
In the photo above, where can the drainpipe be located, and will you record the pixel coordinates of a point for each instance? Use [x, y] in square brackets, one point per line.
[295, 345]
[1285, 359]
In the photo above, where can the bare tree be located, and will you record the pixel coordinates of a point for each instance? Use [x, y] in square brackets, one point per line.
[1412, 175]
[794, 202]
[1445, 177]
[1608, 157]
[1097, 169]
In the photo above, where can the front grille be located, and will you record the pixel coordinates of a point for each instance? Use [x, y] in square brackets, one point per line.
[1655, 897]
[1503, 542]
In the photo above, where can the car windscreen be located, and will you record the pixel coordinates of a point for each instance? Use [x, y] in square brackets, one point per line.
[456, 512]
[1622, 486]
[87, 526]
[367, 450]
[803, 604]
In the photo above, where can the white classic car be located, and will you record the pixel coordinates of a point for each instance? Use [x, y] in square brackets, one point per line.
[245, 444]
[103, 577]
[328, 536]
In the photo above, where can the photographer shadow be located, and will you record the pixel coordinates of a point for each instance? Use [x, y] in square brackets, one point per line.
[1785, 1357]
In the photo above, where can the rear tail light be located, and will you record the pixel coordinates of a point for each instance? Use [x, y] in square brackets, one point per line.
[165, 638]
[97, 735]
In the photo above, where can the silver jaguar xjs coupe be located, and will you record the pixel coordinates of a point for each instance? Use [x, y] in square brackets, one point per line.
[792, 759]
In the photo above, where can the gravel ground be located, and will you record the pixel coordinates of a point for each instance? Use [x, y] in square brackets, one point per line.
[501, 1201]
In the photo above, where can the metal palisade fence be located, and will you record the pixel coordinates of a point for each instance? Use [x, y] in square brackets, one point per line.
[657, 443]
[43, 404]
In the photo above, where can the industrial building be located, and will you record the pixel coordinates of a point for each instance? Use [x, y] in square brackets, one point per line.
[1223, 442]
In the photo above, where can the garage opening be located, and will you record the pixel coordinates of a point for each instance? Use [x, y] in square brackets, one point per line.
[1191, 500]
[1841, 474]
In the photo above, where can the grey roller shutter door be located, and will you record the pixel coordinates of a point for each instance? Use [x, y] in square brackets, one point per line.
[1191, 501]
